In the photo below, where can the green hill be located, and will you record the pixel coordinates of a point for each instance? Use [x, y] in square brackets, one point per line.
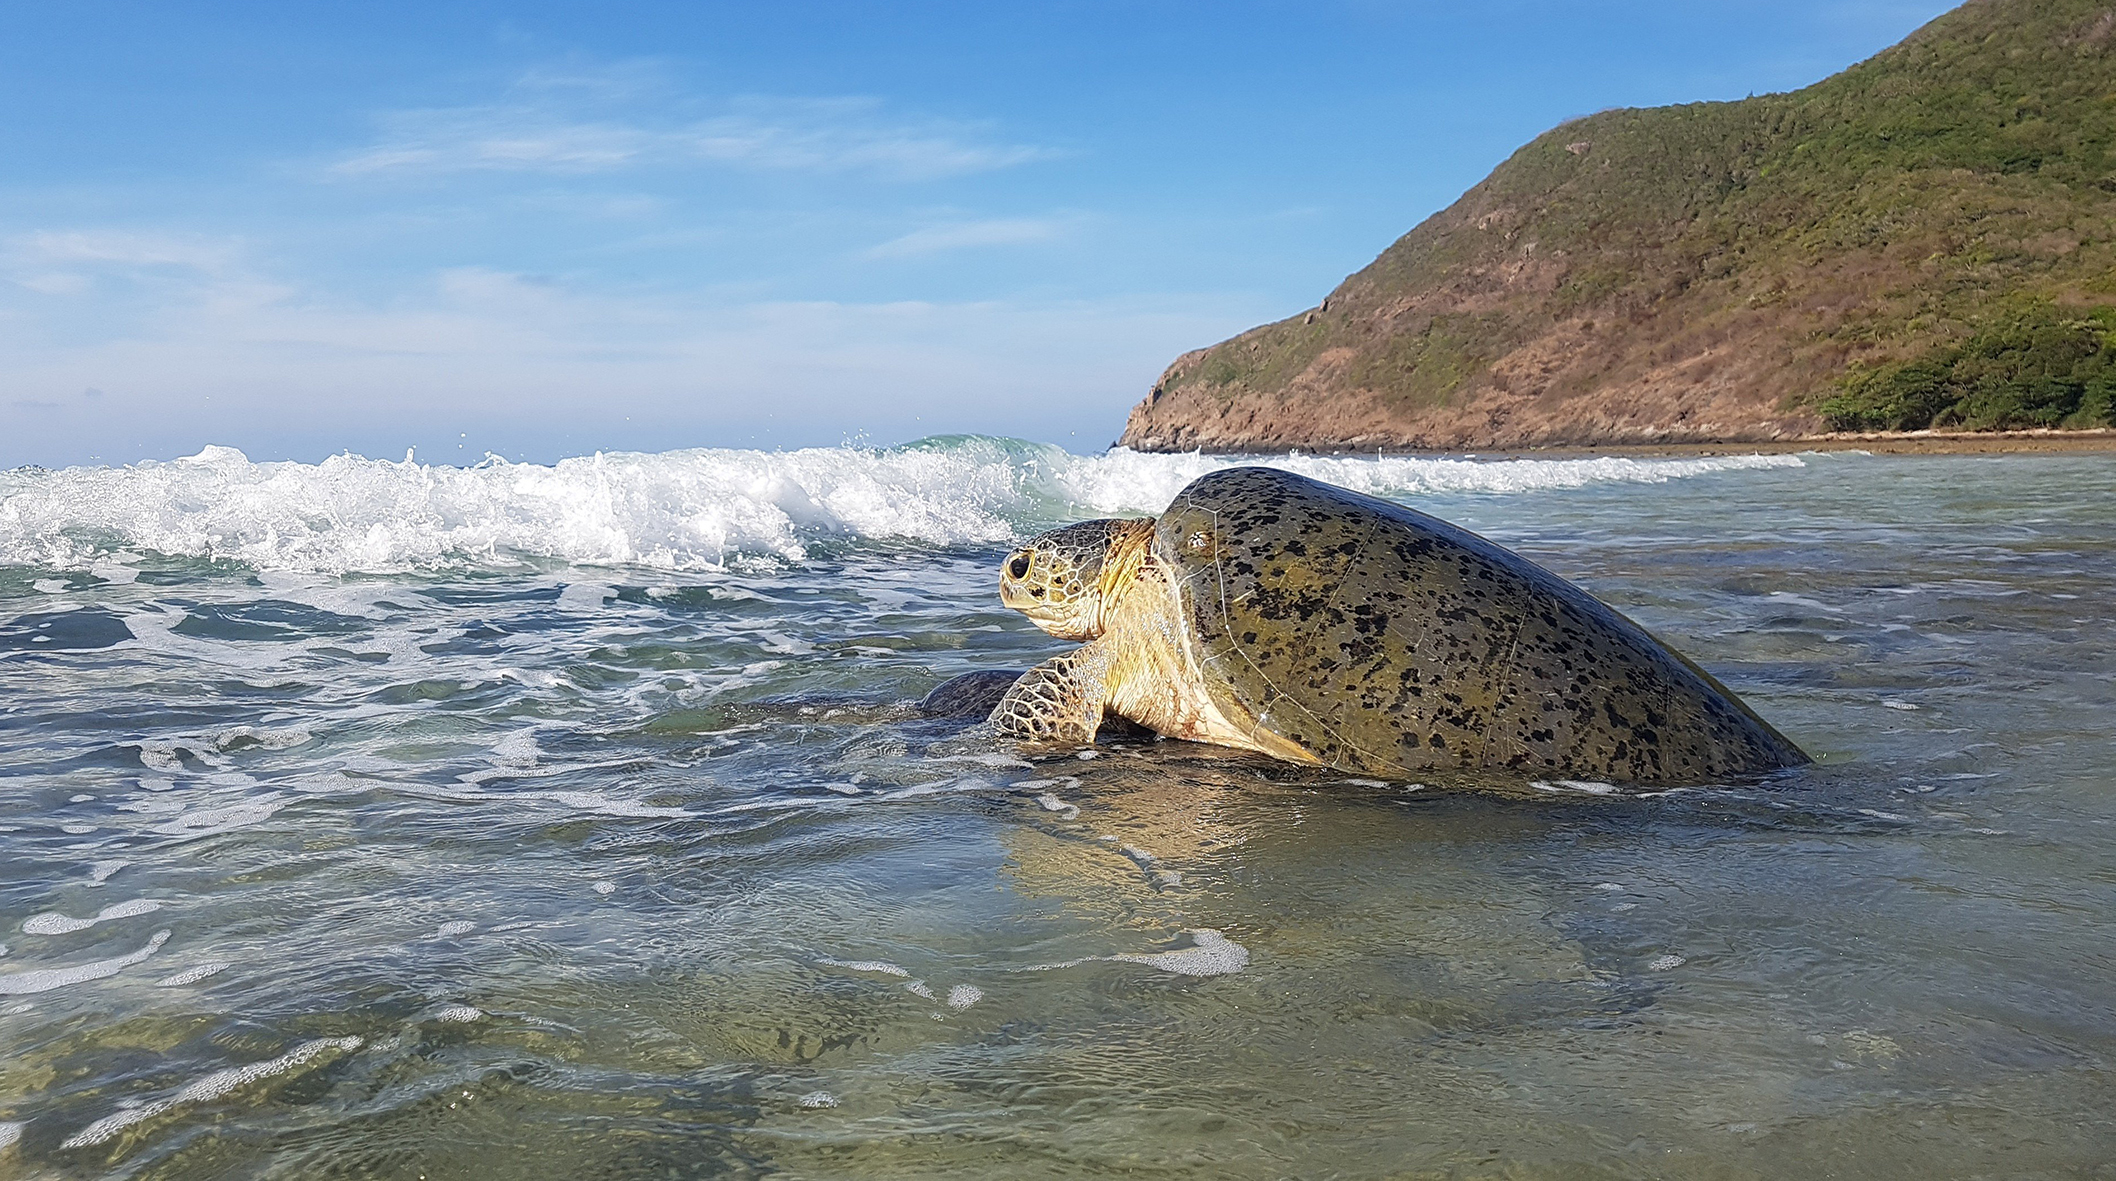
[1922, 240]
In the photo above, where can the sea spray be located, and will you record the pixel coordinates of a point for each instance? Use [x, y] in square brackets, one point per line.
[675, 510]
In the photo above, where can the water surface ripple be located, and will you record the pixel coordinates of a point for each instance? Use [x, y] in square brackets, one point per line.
[323, 860]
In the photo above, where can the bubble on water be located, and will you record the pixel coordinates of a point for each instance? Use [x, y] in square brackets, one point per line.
[517, 749]
[605, 887]
[1894, 704]
[193, 975]
[1088, 754]
[159, 755]
[1665, 963]
[843, 789]
[1211, 954]
[205, 822]
[1051, 803]
[51, 922]
[918, 988]
[77, 829]
[1623, 906]
[261, 738]
[156, 783]
[817, 1099]
[962, 996]
[102, 870]
[986, 759]
[46, 979]
[588, 801]
[83, 798]
[1877, 814]
[454, 927]
[1609, 887]
[459, 1014]
[214, 1086]
[50, 586]
[879, 966]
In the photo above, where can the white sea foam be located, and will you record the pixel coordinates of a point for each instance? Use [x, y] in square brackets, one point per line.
[1591, 787]
[192, 975]
[46, 979]
[205, 822]
[211, 1087]
[881, 967]
[51, 922]
[1130, 481]
[517, 749]
[962, 996]
[674, 510]
[1051, 803]
[1211, 954]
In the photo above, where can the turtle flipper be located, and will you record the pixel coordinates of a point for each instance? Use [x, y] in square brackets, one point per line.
[1057, 703]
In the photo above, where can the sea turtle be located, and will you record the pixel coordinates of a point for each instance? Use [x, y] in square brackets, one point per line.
[1271, 612]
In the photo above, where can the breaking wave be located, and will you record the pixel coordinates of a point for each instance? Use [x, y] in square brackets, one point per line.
[697, 509]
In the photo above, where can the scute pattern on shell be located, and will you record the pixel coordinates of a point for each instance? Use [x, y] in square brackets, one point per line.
[1380, 639]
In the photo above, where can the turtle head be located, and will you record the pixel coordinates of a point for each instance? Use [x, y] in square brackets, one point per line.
[1069, 580]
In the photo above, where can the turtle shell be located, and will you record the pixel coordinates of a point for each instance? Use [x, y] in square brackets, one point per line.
[1383, 640]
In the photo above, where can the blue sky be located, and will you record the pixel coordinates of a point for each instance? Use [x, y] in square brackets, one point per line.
[547, 229]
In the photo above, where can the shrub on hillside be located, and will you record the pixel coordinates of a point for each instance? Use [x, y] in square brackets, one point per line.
[2036, 365]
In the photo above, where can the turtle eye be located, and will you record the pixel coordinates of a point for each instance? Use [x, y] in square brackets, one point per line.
[1019, 567]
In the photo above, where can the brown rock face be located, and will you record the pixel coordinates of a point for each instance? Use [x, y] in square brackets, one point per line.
[1703, 273]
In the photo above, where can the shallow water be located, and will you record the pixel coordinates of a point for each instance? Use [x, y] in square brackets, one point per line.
[388, 821]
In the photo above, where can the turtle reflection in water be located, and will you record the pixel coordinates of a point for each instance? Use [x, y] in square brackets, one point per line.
[1270, 612]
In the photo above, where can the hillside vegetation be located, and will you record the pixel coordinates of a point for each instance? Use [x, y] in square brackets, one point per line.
[1922, 240]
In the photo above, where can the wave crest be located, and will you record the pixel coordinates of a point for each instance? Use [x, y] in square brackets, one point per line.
[673, 510]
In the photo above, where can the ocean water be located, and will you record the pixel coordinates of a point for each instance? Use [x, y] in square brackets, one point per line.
[374, 819]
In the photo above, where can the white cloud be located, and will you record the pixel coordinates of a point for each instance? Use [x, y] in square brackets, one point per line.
[245, 358]
[125, 248]
[963, 235]
[496, 139]
[782, 135]
[69, 263]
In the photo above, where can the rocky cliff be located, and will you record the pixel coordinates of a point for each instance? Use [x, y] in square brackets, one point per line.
[1926, 239]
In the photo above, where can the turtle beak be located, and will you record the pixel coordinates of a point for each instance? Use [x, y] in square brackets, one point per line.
[1011, 592]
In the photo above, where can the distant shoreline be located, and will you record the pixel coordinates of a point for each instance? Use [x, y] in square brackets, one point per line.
[1881, 443]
